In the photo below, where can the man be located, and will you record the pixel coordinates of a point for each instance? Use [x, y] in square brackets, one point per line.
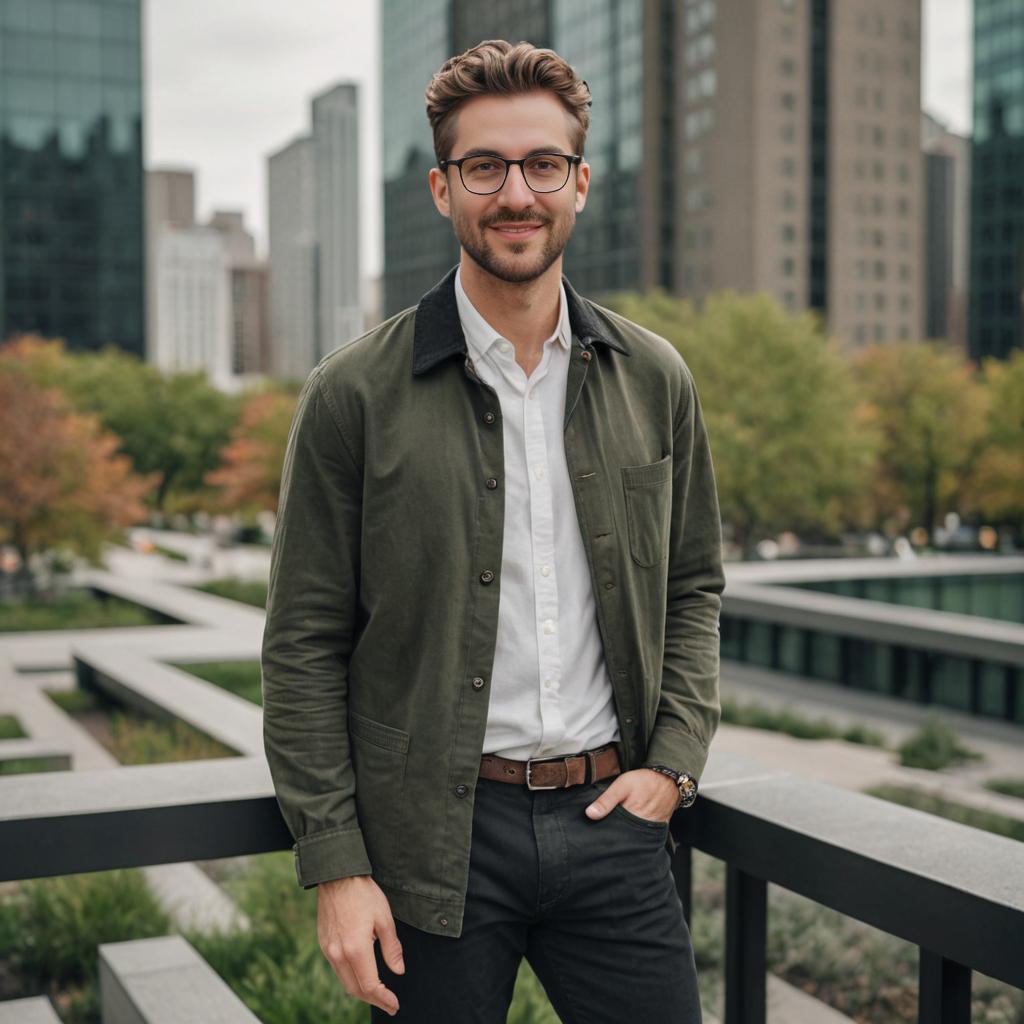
[491, 653]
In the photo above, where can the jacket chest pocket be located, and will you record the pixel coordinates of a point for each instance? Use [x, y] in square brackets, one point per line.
[648, 492]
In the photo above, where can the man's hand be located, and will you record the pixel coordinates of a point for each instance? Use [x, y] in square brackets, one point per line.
[642, 792]
[350, 913]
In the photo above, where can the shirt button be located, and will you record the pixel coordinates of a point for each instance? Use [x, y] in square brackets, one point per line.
[478, 683]
[545, 570]
[486, 577]
[538, 472]
[549, 626]
[489, 418]
[491, 483]
[461, 789]
[504, 346]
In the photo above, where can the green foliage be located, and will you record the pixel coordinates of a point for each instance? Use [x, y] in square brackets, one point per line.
[137, 740]
[251, 592]
[988, 821]
[175, 556]
[1011, 787]
[50, 928]
[74, 610]
[241, 677]
[10, 728]
[790, 446]
[1000, 473]
[757, 716]
[75, 701]
[934, 746]
[27, 766]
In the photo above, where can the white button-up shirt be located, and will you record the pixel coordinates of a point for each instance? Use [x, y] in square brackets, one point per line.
[550, 689]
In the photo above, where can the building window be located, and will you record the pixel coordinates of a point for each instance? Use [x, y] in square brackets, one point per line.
[788, 266]
[788, 233]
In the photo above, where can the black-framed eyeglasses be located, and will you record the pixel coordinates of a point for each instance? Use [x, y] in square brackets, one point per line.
[484, 173]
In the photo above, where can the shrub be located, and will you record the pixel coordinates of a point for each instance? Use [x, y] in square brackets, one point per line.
[934, 746]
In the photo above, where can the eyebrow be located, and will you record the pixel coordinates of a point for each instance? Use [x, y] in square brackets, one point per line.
[501, 156]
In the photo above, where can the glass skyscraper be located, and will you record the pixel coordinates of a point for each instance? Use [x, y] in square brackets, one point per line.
[997, 180]
[71, 174]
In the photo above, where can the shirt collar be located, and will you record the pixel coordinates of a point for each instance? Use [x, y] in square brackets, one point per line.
[480, 336]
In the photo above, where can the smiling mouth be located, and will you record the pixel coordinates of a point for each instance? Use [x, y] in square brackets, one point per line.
[517, 229]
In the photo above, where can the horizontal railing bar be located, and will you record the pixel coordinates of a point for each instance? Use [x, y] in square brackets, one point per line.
[955, 890]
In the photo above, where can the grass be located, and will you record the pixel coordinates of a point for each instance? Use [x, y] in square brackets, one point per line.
[243, 678]
[934, 746]
[50, 928]
[757, 716]
[943, 808]
[252, 592]
[10, 728]
[176, 556]
[75, 610]
[1011, 787]
[137, 739]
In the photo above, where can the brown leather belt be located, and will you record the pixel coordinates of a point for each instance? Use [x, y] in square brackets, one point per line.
[553, 772]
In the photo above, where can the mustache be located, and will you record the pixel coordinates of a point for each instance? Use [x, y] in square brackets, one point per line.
[526, 217]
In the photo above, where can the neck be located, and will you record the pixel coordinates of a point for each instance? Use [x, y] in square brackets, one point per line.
[525, 313]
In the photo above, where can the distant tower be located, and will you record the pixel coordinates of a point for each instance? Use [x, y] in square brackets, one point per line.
[71, 177]
[997, 180]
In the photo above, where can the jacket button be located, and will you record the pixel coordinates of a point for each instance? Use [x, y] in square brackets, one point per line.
[443, 921]
[461, 789]
[486, 577]
[491, 483]
[478, 683]
[609, 585]
[489, 417]
[586, 356]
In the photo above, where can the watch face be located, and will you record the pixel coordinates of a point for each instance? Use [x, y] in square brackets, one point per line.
[687, 790]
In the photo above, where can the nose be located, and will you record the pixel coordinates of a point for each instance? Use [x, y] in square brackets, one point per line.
[515, 193]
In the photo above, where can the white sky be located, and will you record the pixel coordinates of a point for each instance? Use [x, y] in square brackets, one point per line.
[229, 81]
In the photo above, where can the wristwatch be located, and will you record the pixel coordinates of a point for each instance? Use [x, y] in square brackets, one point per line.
[685, 783]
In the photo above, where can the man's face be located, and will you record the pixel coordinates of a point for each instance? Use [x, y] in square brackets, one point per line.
[515, 234]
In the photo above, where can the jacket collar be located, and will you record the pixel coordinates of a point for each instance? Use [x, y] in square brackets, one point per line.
[437, 333]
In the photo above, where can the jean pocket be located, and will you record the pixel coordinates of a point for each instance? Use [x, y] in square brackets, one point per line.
[648, 495]
[657, 828]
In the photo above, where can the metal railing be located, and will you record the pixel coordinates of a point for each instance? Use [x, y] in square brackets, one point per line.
[955, 892]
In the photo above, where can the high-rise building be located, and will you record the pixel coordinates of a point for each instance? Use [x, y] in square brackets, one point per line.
[761, 147]
[313, 213]
[71, 176]
[997, 180]
[291, 218]
[947, 165]
[336, 204]
[799, 159]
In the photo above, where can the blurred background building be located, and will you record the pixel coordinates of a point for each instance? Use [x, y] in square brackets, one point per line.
[316, 303]
[997, 180]
[770, 147]
[71, 172]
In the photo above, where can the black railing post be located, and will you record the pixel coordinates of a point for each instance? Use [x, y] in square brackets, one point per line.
[746, 933]
[944, 990]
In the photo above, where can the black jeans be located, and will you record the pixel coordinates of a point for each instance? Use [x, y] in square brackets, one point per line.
[592, 905]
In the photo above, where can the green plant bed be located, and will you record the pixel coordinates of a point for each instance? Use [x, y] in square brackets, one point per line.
[75, 610]
[934, 746]
[756, 716]
[176, 556]
[137, 739]
[240, 677]
[50, 928]
[27, 766]
[988, 821]
[1011, 787]
[10, 728]
[251, 592]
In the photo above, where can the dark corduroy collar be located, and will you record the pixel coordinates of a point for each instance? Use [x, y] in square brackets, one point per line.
[438, 329]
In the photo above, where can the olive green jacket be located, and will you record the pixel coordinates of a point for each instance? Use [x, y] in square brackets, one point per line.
[385, 576]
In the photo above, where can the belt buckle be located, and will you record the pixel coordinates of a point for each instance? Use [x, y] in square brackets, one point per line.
[544, 760]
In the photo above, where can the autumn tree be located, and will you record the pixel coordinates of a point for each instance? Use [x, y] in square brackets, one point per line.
[929, 409]
[175, 425]
[249, 476]
[999, 477]
[791, 446]
[63, 483]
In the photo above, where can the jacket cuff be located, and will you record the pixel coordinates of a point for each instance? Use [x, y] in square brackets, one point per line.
[333, 853]
[677, 749]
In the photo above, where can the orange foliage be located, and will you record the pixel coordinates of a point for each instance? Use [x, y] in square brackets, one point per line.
[62, 482]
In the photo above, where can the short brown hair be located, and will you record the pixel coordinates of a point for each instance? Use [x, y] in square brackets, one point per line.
[497, 67]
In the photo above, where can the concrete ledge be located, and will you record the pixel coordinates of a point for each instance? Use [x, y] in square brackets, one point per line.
[164, 981]
[38, 1010]
[56, 757]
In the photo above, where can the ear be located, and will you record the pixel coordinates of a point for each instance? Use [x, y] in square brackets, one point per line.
[438, 180]
[582, 185]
